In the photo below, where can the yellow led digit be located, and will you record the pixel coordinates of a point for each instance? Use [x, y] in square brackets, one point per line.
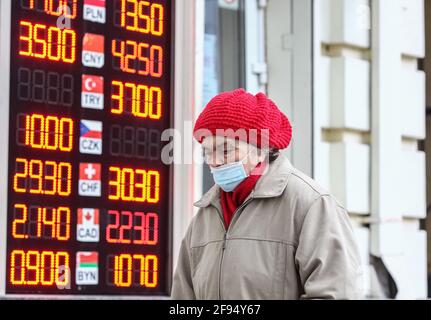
[150, 271]
[47, 260]
[153, 186]
[26, 37]
[17, 267]
[63, 224]
[115, 183]
[32, 267]
[64, 177]
[35, 174]
[19, 208]
[118, 97]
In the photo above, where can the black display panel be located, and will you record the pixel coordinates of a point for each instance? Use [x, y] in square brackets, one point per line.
[89, 202]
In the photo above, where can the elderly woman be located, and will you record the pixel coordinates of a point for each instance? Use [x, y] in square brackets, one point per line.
[265, 230]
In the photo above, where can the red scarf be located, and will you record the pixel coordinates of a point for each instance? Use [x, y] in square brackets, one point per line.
[230, 201]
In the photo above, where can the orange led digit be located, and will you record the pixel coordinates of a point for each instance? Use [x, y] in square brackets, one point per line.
[117, 97]
[140, 185]
[19, 208]
[51, 140]
[54, 44]
[123, 185]
[144, 59]
[150, 271]
[63, 224]
[68, 52]
[155, 102]
[116, 182]
[145, 228]
[123, 266]
[17, 267]
[64, 179]
[26, 36]
[36, 174]
[43, 42]
[153, 186]
[127, 184]
[57, 219]
[50, 178]
[157, 14]
[20, 176]
[30, 268]
[112, 227]
[39, 43]
[142, 95]
[130, 91]
[50, 132]
[129, 57]
[142, 16]
[48, 220]
[127, 226]
[66, 134]
[63, 8]
[156, 58]
[62, 263]
[145, 102]
[39, 222]
[47, 260]
[37, 129]
[140, 228]
[124, 273]
[151, 223]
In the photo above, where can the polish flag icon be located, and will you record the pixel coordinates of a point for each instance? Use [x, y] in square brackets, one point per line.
[93, 50]
[89, 183]
[92, 92]
[95, 10]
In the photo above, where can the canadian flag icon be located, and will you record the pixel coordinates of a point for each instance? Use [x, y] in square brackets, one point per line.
[88, 225]
[93, 50]
[92, 92]
[89, 180]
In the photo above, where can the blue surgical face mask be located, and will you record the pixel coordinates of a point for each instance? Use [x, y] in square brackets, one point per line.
[229, 176]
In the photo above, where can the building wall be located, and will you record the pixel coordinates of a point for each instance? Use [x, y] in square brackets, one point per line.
[369, 108]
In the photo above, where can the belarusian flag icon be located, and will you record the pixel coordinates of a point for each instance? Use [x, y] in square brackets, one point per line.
[87, 268]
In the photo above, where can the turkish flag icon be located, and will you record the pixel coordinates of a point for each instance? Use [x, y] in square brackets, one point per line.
[92, 96]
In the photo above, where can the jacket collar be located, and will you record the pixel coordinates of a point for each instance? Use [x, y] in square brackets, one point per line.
[271, 184]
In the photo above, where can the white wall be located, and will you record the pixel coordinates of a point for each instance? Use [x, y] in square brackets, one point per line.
[369, 106]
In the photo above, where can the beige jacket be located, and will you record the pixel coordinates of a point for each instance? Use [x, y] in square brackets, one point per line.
[290, 239]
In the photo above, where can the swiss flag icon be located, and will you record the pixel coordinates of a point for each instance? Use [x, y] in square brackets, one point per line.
[89, 171]
[90, 184]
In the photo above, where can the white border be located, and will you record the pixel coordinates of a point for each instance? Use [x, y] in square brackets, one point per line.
[5, 21]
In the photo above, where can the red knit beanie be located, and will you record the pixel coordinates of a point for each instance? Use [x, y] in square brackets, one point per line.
[239, 109]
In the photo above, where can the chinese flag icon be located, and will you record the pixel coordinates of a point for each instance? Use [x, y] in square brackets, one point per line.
[93, 50]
